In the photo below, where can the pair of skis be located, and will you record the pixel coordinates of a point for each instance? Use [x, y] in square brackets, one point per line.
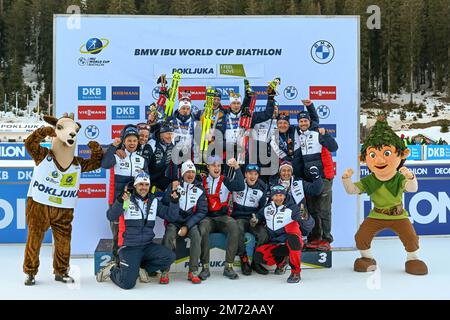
[207, 115]
[163, 108]
[246, 119]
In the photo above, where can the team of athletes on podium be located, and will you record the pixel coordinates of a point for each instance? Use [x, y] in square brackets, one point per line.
[287, 209]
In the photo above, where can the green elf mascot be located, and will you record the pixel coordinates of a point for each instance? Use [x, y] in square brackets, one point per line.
[385, 153]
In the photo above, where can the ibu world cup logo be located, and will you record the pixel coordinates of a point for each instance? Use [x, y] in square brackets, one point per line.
[322, 52]
[94, 46]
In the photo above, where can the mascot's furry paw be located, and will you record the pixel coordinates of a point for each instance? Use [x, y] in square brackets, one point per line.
[49, 131]
[94, 145]
[416, 267]
[365, 265]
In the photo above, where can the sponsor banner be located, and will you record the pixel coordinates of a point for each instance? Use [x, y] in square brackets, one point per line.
[293, 110]
[260, 91]
[196, 92]
[188, 71]
[125, 93]
[91, 112]
[100, 173]
[433, 152]
[416, 152]
[92, 191]
[323, 111]
[125, 112]
[429, 208]
[15, 175]
[91, 93]
[322, 93]
[248, 70]
[330, 129]
[21, 126]
[225, 91]
[422, 171]
[16, 151]
[13, 197]
[115, 130]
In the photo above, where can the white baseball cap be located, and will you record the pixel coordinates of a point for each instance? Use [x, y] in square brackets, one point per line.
[187, 166]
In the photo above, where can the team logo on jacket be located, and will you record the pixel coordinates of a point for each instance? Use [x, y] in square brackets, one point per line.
[290, 92]
[323, 111]
[322, 52]
[91, 132]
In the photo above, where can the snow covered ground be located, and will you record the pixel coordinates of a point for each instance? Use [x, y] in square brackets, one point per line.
[401, 126]
[339, 282]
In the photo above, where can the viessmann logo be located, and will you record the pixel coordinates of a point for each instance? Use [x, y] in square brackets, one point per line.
[92, 191]
[92, 112]
[322, 93]
[115, 131]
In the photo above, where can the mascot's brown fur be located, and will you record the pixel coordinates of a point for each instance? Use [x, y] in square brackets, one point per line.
[63, 170]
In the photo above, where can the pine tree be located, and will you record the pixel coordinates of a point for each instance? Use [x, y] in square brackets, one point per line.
[291, 7]
[217, 7]
[152, 7]
[253, 7]
[122, 7]
[444, 127]
[97, 6]
[185, 7]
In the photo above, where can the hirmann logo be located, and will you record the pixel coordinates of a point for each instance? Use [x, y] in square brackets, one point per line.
[260, 91]
[125, 93]
[92, 112]
[125, 112]
[91, 93]
[330, 129]
[322, 93]
[115, 131]
[197, 93]
[292, 110]
[92, 191]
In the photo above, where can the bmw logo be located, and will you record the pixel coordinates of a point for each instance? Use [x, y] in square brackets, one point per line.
[290, 92]
[322, 52]
[91, 132]
[323, 111]
[94, 46]
[82, 61]
[155, 93]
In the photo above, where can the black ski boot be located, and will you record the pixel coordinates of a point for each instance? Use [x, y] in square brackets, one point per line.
[229, 272]
[245, 265]
[259, 268]
[294, 278]
[281, 267]
[204, 274]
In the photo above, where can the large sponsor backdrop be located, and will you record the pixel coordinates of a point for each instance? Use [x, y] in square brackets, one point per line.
[106, 72]
[429, 207]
